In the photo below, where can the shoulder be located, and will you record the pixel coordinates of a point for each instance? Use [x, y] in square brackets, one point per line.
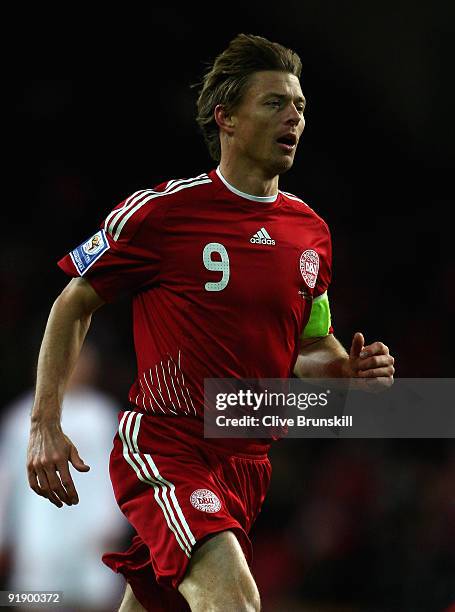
[177, 185]
[301, 207]
[144, 203]
[164, 191]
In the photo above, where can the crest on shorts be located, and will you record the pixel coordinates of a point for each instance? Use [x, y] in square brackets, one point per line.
[205, 500]
[309, 267]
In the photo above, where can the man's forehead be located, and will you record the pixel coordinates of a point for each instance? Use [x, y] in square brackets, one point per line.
[274, 81]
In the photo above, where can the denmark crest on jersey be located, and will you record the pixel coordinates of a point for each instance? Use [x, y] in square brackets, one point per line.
[309, 267]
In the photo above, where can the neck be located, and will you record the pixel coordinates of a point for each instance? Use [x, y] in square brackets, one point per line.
[249, 179]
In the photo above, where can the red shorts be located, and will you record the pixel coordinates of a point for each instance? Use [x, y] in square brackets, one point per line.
[176, 490]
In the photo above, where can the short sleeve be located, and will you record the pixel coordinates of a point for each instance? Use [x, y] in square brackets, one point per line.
[325, 264]
[320, 321]
[124, 255]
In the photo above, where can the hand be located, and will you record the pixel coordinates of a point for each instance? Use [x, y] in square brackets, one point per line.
[372, 363]
[49, 451]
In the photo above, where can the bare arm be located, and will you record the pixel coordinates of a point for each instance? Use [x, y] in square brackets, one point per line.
[321, 358]
[49, 449]
[326, 358]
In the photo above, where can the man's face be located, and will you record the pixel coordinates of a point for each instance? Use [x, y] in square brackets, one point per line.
[269, 121]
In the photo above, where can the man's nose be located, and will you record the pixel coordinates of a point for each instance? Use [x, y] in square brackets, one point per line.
[294, 117]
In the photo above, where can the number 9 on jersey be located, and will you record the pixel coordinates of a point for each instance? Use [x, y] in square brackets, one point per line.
[216, 265]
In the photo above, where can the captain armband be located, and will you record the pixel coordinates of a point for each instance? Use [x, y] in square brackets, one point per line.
[320, 321]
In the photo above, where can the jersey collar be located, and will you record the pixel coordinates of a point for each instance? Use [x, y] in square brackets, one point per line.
[245, 195]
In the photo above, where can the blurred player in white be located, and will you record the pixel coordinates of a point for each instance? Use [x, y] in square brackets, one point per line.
[60, 551]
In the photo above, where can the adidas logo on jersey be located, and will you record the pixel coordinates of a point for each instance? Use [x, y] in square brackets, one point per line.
[262, 237]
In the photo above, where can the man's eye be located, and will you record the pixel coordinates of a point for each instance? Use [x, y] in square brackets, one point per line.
[274, 103]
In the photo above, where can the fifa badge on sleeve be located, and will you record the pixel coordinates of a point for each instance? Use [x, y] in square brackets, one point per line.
[85, 255]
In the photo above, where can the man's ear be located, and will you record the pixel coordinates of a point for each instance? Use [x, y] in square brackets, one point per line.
[224, 120]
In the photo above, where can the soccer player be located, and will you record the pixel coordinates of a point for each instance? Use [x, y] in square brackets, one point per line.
[229, 278]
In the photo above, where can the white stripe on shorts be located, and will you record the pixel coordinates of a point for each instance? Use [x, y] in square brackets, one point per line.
[164, 482]
[130, 452]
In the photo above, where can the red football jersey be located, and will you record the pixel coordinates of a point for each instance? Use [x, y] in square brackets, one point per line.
[222, 284]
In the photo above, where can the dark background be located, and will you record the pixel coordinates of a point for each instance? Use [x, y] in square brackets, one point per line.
[101, 107]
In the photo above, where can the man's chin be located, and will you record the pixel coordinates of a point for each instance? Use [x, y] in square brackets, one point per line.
[283, 165]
